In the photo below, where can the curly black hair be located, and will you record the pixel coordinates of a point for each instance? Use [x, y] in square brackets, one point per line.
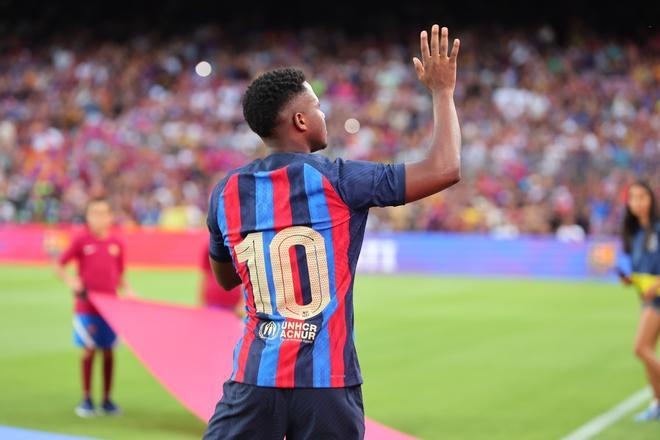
[266, 95]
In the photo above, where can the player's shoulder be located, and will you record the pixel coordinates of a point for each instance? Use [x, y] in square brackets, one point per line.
[82, 237]
[329, 168]
[276, 161]
[335, 165]
[338, 171]
[248, 168]
[323, 164]
[114, 238]
[320, 164]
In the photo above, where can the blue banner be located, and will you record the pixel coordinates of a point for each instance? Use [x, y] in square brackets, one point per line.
[482, 255]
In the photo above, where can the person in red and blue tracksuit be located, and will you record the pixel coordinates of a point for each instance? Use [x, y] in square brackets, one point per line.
[100, 259]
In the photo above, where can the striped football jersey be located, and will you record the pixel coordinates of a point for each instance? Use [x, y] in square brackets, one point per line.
[292, 224]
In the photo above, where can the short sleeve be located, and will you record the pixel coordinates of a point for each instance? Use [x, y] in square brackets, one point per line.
[217, 249]
[73, 251]
[363, 184]
[624, 263]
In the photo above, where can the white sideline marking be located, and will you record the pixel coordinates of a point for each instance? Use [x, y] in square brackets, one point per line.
[598, 424]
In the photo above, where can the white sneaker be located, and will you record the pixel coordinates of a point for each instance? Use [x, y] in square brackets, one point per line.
[85, 409]
[650, 413]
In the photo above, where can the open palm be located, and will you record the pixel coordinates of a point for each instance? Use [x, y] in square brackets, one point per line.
[437, 70]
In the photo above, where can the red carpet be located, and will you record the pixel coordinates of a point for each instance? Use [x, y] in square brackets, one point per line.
[188, 350]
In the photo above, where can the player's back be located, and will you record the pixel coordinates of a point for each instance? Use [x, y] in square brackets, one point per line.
[293, 224]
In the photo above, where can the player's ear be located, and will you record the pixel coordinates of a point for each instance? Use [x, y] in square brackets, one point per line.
[299, 121]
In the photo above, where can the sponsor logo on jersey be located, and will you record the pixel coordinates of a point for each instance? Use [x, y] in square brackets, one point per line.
[288, 331]
[299, 331]
[268, 330]
[113, 249]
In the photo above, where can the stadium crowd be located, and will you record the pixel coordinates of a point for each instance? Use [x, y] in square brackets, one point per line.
[552, 133]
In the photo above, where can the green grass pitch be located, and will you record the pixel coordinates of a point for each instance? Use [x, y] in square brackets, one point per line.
[442, 358]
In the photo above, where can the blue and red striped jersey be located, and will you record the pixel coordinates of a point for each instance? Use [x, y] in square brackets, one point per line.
[293, 224]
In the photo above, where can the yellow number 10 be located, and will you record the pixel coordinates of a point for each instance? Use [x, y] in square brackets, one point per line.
[251, 251]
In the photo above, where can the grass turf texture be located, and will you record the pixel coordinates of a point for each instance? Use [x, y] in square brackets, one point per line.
[441, 358]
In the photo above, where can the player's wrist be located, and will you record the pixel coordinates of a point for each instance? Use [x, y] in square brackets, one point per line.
[442, 92]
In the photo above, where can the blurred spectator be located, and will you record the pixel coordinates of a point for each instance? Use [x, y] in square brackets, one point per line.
[551, 134]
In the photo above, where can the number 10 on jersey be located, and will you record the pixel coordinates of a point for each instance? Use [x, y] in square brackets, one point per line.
[251, 251]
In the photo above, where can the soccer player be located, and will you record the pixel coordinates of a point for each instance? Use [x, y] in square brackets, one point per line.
[100, 260]
[214, 295]
[289, 227]
[641, 241]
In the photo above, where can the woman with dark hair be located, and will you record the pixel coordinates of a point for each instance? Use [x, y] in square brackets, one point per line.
[641, 236]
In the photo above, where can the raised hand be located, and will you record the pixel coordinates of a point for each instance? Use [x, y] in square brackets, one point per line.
[437, 70]
[441, 168]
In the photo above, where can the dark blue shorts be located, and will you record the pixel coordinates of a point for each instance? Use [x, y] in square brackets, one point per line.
[91, 331]
[255, 413]
[655, 303]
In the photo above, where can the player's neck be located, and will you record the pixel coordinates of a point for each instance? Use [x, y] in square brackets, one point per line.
[288, 146]
[644, 221]
[102, 234]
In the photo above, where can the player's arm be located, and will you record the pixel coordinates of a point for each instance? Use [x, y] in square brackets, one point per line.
[61, 271]
[70, 280]
[623, 277]
[124, 287]
[441, 168]
[219, 254]
[225, 274]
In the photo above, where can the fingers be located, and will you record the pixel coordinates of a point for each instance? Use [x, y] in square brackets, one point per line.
[424, 45]
[454, 49]
[435, 45]
[443, 42]
[439, 43]
[419, 68]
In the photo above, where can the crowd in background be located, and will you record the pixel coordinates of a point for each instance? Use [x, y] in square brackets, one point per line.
[552, 134]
